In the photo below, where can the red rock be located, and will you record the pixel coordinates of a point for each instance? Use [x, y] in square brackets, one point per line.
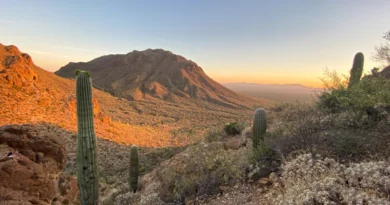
[32, 175]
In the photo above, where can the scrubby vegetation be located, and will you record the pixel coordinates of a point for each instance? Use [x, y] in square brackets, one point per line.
[350, 128]
[332, 152]
[335, 151]
[233, 128]
[312, 179]
[371, 91]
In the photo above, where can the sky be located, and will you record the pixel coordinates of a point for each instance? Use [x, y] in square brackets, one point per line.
[270, 42]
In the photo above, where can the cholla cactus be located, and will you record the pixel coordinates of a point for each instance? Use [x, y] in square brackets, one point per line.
[87, 171]
[357, 69]
[134, 168]
[259, 126]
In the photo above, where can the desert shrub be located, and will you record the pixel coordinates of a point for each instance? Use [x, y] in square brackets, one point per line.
[334, 100]
[233, 128]
[312, 179]
[262, 152]
[151, 158]
[200, 171]
[265, 151]
[339, 135]
[369, 92]
[213, 135]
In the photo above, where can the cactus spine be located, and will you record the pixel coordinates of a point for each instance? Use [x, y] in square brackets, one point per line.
[134, 168]
[87, 172]
[357, 69]
[259, 126]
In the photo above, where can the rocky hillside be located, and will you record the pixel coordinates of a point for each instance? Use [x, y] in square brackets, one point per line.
[29, 94]
[150, 74]
[309, 155]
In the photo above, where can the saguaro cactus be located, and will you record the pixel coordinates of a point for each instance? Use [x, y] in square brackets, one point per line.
[134, 168]
[259, 126]
[87, 172]
[357, 69]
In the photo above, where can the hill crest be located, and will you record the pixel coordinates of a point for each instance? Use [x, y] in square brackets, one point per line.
[156, 74]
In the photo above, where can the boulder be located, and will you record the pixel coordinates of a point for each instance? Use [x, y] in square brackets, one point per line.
[30, 166]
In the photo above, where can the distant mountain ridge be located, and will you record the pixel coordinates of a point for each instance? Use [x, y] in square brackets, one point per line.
[276, 92]
[156, 73]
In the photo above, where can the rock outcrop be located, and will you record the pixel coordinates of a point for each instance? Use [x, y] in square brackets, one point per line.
[30, 167]
[16, 68]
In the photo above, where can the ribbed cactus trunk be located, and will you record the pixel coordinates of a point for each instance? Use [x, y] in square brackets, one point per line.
[134, 168]
[87, 172]
[357, 69]
[259, 126]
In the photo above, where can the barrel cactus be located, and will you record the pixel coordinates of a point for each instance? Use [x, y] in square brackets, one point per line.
[259, 126]
[357, 69]
[87, 171]
[134, 168]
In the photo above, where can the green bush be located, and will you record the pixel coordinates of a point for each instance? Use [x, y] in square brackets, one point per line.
[337, 135]
[334, 100]
[233, 128]
[263, 152]
[369, 92]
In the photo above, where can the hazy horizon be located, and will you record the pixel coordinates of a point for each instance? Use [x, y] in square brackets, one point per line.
[266, 42]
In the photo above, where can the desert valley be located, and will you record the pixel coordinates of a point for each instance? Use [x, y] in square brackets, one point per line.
[152, 127]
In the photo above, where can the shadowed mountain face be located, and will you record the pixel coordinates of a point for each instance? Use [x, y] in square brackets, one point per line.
[151, 74]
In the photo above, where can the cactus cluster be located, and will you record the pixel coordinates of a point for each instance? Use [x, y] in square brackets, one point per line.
[134, 168]
[87, 171]
[357, 70]
[259, 126]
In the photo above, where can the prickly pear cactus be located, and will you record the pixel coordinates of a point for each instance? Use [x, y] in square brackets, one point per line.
[87, 172]
[134, 168]
[259, 126]
[357, 69]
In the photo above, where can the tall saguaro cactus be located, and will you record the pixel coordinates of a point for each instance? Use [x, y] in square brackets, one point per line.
[357, 69]
[87, 172]
[259, 126]
[134, 168]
